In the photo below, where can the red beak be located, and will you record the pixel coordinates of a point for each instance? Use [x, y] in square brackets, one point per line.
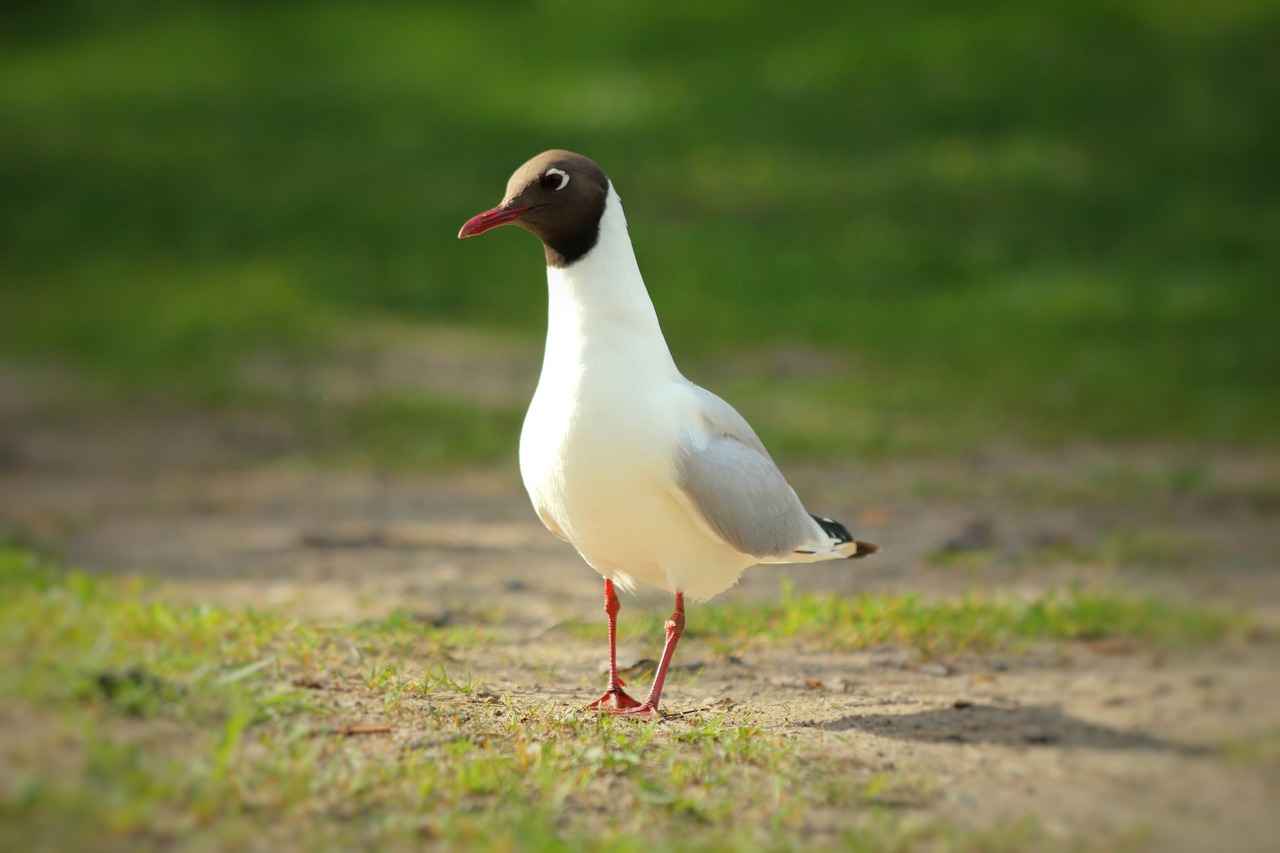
[490, 219]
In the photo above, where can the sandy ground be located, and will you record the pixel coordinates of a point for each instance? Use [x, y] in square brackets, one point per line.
[1099, 743]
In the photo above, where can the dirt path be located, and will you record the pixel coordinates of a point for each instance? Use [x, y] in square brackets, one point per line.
[1098, 744]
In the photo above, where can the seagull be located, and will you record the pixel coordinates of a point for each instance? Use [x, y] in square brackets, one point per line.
[650, 477]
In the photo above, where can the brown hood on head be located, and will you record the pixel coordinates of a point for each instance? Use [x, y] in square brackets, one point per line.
[558, 195]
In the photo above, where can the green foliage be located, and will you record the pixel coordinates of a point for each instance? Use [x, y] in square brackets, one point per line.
[1053, 220]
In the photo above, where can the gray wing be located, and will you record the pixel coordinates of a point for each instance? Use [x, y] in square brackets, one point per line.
[738, 490]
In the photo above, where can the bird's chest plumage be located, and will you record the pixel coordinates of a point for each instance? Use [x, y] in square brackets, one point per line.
[590, 450]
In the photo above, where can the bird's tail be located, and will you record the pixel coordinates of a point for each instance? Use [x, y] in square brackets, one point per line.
[846, 546]
[832, 541]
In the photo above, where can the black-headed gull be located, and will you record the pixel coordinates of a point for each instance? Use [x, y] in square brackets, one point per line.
[650, 477]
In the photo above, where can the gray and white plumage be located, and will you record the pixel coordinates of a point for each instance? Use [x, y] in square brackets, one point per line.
[733, 483]
[650, 477]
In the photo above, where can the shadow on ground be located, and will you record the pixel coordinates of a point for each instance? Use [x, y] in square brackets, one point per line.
[1033, 725]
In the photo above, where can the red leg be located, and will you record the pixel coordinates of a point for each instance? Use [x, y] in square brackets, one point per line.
[615, 699]
[675, 627]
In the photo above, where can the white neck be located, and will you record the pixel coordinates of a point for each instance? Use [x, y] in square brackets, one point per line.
[599, 308]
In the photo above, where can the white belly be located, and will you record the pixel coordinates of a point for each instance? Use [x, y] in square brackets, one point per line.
[599, 469]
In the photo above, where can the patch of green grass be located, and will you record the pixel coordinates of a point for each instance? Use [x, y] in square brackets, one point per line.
[406, 628]
[227, 728]
[1044, 223]
[948, 627]
[67, 639]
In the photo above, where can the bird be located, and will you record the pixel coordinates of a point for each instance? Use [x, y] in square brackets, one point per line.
[651, 478]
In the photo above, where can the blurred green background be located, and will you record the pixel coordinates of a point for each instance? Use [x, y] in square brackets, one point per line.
[999, 221]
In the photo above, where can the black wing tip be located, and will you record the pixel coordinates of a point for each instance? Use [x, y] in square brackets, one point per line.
[834, 529]
[839, 532]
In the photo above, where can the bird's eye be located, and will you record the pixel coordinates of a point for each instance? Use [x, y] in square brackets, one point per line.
[555, 179]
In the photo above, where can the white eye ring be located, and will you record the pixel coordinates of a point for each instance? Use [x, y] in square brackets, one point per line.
[562, 184]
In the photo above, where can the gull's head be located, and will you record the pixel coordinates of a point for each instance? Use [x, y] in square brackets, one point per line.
[559, 196]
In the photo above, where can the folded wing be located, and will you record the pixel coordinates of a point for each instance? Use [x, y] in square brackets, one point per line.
[727, 478]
